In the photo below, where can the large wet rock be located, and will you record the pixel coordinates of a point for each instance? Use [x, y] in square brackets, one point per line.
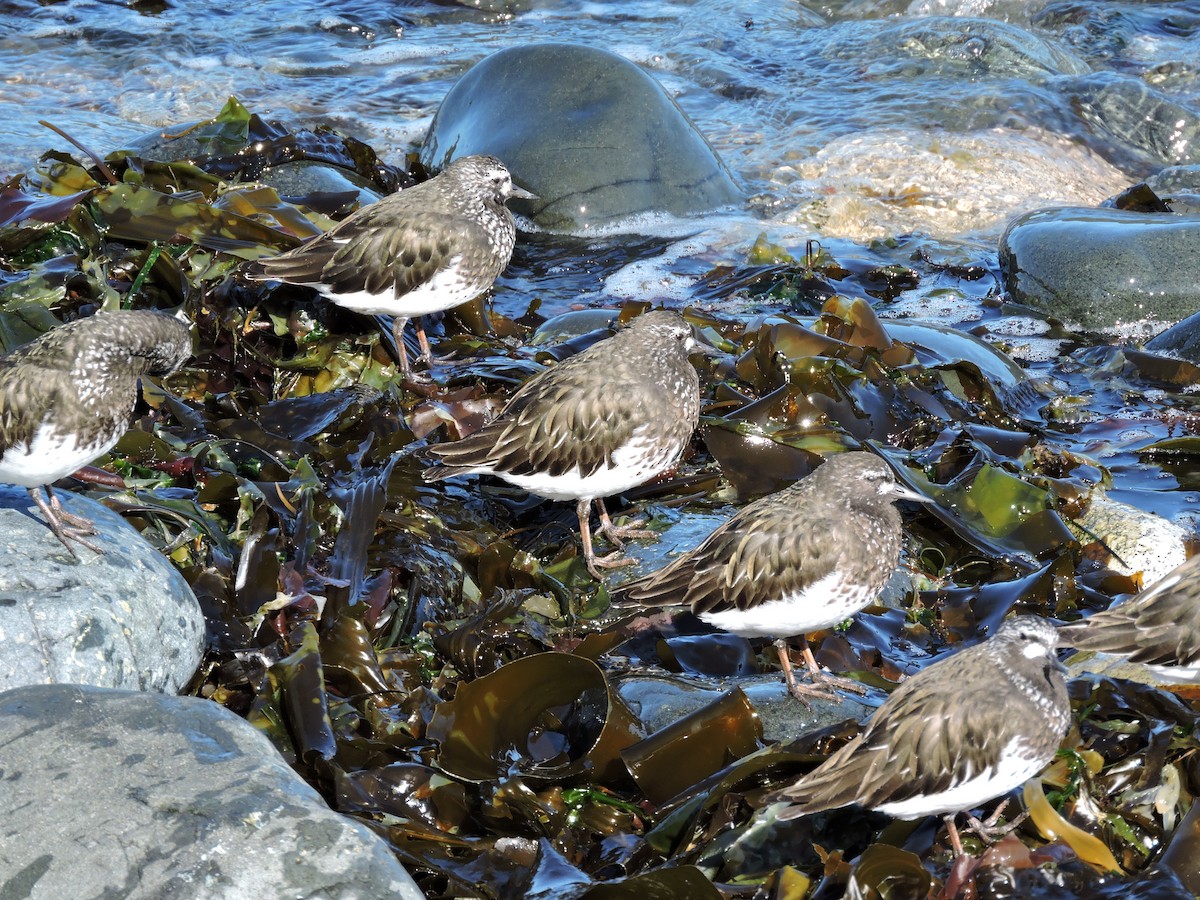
[1104, 269]
[593, 135]
[123, 794]
[123, 619]
[1138, 541]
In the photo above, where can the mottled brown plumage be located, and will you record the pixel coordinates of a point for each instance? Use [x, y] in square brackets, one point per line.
[1159, 627]
[799, 560]
[601, 422]
[66, 398]
[425, 249]
[966, 730]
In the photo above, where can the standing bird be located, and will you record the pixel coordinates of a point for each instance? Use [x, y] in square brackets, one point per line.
[601, 422]
[66, 398]
[1159, 627]
[964, 731]
[421, 250]
[796, 561]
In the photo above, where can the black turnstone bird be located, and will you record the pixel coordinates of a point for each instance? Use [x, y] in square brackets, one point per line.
[1160, 627]
[601, 422]
[805, 558]
[66, 398]
[424, 249]
[960, 733]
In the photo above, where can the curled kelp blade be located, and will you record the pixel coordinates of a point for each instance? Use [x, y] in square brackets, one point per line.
[695, 746]
[550, 717]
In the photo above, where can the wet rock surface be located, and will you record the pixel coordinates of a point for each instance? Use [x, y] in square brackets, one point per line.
[123, 619]
[611, 143]
[1104, 269]
[117, 793]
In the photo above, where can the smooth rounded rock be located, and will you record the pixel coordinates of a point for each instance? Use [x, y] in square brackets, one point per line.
[595, 137]
[1104, 269]
[122, 619]
[126, 794]
[1181, 340]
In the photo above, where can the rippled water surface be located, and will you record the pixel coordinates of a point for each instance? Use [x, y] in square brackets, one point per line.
[771, 84]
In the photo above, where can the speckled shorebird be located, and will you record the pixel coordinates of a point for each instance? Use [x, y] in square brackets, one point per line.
[601, 422]
[424, 249]
[964, 731]
[805, 558]
[1160, 627]
[66, 398]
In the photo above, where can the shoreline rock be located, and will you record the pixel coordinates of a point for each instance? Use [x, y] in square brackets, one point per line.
[124, 619]
[148, 796]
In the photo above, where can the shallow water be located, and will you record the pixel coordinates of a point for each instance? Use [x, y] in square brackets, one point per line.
[769, 83]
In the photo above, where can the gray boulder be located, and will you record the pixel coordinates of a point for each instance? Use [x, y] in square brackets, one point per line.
[595, 137]
[1104, 269]
[123, 619]
[125, 794]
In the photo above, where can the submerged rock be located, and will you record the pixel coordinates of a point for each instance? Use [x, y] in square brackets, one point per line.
[143, 795]
[124, 619]
[1104, 269]
[1179, 187]
[887, 181]
[959, 45]
[598, 139]
[1130, 115]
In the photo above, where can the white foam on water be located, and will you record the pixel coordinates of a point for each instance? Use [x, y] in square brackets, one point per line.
[947, 307]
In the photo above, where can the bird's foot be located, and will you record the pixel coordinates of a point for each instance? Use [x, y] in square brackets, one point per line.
[611, 561]
[822, 684]
[804, 691]
[839, 682]
[67, 533]
[988, 830]
[422, 381]
[77, 524]
[619, 534]
[66, 526]
[433, 360]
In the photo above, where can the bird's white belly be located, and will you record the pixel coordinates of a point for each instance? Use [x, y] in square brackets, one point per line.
[48, 457]
[822, 604]
[1015, 767]
[635, 463]
[445, 290]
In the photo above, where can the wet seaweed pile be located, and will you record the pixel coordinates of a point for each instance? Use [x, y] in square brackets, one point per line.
[437, 662]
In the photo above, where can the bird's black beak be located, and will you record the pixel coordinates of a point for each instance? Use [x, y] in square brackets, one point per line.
[699, 345]
[519, 193]
[903, 492]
